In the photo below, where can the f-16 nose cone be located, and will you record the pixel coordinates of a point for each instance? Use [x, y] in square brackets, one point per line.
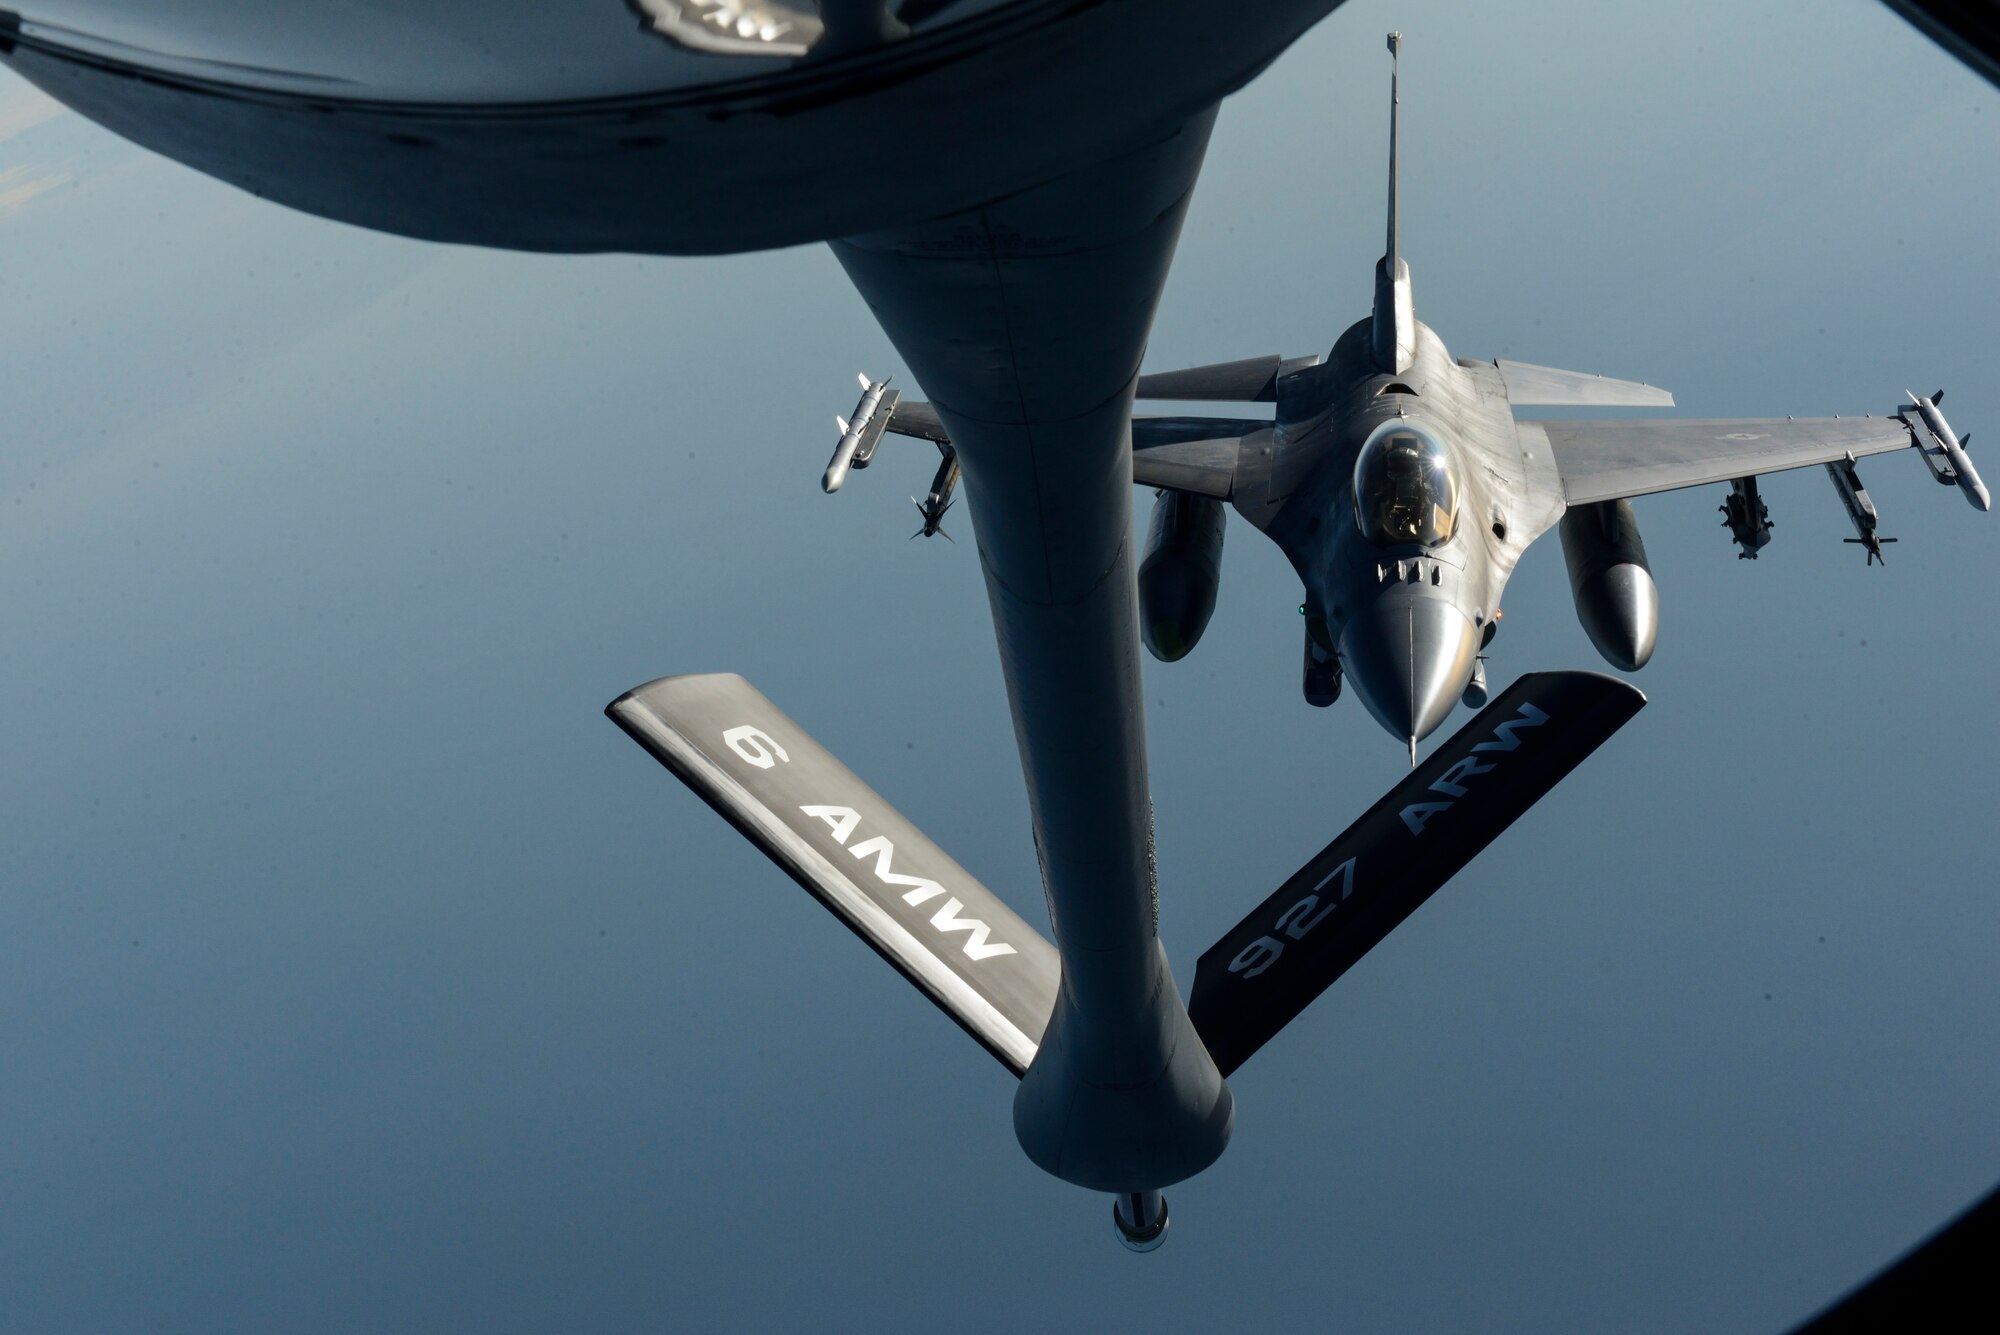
[1409, 658]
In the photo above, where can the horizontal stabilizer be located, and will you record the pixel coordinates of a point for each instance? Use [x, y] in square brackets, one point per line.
[1192, 454]
[951, 936]
[1252, 380]
[1547, 387]
[1269, 967]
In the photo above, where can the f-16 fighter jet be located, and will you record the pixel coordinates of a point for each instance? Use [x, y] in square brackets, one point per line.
[1404, 489]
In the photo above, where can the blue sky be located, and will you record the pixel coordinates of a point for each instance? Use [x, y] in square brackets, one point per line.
[355, 973]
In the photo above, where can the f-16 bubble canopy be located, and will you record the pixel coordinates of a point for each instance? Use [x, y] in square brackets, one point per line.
[674, 126]
[1405, 490]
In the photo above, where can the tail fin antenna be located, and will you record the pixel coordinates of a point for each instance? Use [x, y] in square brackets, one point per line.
[1393, 250]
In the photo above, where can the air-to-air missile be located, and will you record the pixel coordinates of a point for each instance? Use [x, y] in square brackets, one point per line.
[1860, 509]
[938, 500]
[1746, 517]
[858, 439]
[1945, 455]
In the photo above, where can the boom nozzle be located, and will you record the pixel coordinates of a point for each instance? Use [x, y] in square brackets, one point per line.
[1141, 1220]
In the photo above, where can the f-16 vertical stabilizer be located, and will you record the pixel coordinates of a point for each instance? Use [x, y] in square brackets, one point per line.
[895, 889]
[1338, 907]
[1394, 335]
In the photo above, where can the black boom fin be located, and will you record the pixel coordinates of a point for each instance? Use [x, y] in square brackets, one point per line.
[1339, 906]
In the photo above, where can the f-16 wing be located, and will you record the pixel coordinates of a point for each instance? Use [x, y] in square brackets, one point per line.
[1606, 461]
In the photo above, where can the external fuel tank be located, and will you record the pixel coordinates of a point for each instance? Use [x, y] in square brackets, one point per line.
[1180, 572]
[1616, 599]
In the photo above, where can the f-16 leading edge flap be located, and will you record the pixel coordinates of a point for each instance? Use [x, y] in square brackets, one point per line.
[1339, 906]
[951, 936]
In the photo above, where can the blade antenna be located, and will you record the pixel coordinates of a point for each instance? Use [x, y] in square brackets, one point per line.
[1394, 249]
[1393, 330]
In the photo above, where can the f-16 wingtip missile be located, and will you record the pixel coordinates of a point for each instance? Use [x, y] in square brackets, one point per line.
[1957, 467]
[857, 438]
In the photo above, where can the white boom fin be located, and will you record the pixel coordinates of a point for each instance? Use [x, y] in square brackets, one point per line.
[960, 943]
